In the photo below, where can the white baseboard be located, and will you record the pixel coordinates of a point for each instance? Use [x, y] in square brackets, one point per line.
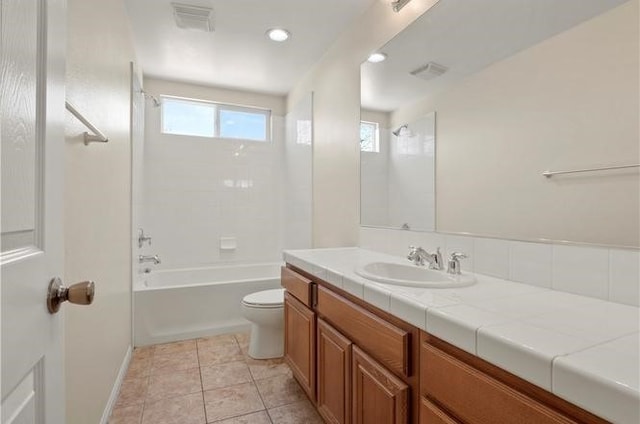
[235, 326]
[115, 391]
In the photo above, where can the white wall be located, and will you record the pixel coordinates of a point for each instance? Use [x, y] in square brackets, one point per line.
[97, 204]
[568, 102]
[198, 190]
[335, 82]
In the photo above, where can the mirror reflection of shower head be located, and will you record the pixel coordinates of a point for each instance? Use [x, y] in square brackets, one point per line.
[399, 130]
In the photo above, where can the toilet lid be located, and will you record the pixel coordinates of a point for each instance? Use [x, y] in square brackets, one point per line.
[271, 298]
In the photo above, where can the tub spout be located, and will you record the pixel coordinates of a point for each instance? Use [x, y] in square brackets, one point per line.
[155, 259]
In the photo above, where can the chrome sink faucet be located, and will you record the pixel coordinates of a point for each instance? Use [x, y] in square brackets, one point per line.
[155, 259]
[419, 256]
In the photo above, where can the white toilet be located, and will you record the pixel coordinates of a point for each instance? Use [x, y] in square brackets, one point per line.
[265, 311]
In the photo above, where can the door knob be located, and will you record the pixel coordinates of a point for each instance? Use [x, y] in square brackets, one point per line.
[79, 293]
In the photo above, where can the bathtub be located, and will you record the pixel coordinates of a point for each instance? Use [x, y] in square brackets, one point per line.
[182, 304]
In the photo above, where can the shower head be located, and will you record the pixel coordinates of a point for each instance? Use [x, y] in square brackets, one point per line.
[154, 99]
[399, 130]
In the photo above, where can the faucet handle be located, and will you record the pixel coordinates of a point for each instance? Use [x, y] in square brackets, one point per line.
[458, 255]
[453, 267]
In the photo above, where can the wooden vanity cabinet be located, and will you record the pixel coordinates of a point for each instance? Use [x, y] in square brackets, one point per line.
[356, 365]
[300, 330]
[361, 365]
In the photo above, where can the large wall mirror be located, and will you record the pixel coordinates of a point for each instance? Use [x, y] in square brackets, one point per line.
[475, 100]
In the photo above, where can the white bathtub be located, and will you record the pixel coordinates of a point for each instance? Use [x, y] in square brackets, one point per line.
[187, 303]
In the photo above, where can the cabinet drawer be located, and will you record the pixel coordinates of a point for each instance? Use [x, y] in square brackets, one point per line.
[431, 414]
[476, 397]
[384, 341]
[297, 285]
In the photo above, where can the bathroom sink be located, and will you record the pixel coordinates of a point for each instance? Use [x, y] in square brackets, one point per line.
[412, 275]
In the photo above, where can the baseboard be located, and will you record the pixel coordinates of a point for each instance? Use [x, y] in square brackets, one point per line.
[238, 326]
[115, 391]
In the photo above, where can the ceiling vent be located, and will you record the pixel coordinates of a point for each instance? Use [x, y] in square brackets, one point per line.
[193, 17]
[429, 71]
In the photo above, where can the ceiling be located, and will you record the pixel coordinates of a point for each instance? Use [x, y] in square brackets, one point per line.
[466, 36]
[238, 54]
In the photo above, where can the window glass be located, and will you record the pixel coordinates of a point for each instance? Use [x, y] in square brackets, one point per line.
[187, 117]
[214, 120]
[243, 125]
[369, 136]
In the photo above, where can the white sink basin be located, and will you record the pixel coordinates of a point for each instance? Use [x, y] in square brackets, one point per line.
[412, 275]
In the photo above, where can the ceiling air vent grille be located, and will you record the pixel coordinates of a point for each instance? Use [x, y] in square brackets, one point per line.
[193, 17]
[429, 71]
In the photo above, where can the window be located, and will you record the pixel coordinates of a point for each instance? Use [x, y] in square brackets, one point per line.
[186, 117]
[208, 119]
[369, 137]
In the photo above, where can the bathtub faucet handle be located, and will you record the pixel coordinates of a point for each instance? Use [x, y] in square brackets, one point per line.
[155, 259]
[142, 238]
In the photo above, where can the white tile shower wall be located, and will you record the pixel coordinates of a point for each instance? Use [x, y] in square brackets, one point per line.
[374, 180]
[297, 175]
[604, 273]
[198, 190]
[412, 170]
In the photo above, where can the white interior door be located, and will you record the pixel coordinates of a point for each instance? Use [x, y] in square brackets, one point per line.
[32, 138]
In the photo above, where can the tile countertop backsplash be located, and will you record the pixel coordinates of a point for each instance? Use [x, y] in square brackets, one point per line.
[584, 349]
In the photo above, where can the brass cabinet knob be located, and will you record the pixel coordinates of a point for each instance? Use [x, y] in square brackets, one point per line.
[79, 293]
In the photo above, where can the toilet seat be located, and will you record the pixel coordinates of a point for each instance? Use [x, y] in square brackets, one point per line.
[265, 299]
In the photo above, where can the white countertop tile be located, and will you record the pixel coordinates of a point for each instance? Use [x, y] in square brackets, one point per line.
[526, 350]
[599, 321]
[533, 304]
[605, 378]
[556, 340]
[458, 324]
[378, 296]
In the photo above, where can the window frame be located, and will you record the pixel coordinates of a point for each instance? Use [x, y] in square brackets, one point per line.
[217, 108]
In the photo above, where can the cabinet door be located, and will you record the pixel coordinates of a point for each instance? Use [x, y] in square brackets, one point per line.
[300, 343]
[334, 375]
[378, 396]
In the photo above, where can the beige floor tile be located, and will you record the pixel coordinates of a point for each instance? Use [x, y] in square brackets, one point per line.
[214, 355]
[174, 361]
[143, 352]
[126, 415]
[175, 347]
[295, 413]
[177, 383]
[139, 367]
[187, 409]
[279, 390]
[256, 418]
[243, 341]
[267, 368]
[216, 341]
[224, 375]
[132, 392]
[232, 401]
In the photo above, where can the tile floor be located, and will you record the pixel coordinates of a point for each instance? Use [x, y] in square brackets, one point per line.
[209, 380]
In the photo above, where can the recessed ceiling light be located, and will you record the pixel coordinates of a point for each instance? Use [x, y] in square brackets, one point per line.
[377, 57]
[278, 34]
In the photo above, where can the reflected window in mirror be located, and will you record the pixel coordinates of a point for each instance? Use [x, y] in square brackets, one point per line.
[369, 137]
